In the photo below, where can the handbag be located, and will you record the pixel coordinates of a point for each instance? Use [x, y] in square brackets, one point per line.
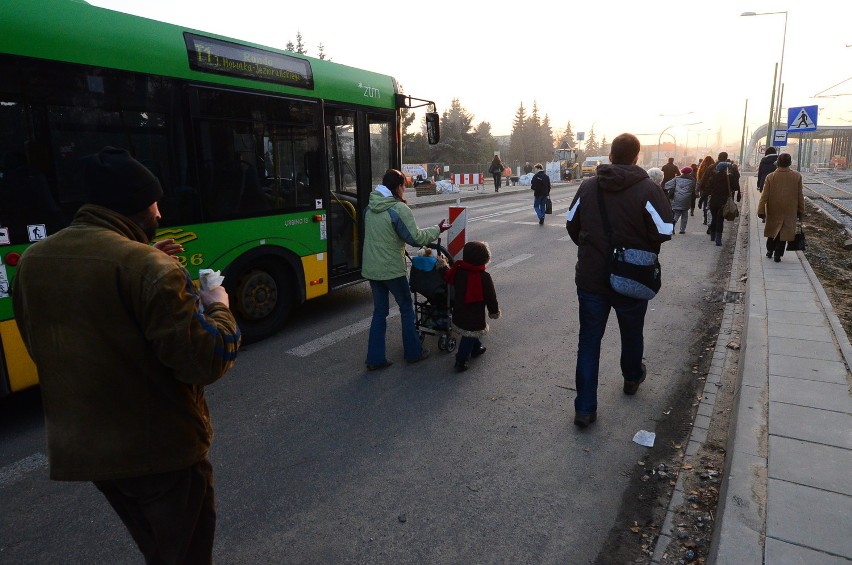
[548, 206]
[635, 273]
[798, 243]
[730, 210]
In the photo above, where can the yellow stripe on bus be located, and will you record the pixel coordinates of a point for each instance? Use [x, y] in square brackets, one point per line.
[22, 370]
[316, 275]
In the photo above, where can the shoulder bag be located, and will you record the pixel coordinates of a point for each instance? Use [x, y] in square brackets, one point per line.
[548, 206]
[730, 210]
[634, 273]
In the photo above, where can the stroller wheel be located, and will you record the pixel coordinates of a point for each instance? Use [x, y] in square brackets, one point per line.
[451, 344]
[442, 342]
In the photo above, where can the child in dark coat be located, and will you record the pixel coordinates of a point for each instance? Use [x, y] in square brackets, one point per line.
[474, 294]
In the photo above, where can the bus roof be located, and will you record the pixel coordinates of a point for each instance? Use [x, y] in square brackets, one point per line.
[76, 32]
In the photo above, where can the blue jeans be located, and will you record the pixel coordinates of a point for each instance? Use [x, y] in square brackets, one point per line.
[466, 346]
[379, 325]
[594, 312]
[539, 203]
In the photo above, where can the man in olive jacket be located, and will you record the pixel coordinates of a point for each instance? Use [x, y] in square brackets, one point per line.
[388, 226]
[123, 351]
[640, 217]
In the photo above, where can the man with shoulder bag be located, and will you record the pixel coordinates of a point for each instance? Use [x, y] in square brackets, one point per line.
[618, 219]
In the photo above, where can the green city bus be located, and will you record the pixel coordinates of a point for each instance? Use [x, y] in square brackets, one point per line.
[266, 157]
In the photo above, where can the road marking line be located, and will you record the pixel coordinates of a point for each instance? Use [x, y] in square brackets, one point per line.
[336, 336]
[345, 332]
[14, 472]
[511, 262]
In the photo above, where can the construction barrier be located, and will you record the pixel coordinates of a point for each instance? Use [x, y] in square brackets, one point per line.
[456, 233]
[471, 179]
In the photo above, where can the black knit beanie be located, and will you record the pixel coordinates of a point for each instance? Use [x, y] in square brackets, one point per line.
[115, 180]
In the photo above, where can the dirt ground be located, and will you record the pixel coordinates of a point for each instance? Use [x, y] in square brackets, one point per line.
[831, 263]
[633, 539]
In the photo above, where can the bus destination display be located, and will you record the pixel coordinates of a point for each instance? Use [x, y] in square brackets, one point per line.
[225, 58]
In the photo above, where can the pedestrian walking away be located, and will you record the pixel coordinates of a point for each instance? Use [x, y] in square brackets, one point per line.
[767, 164]
[670, 171]
[782, 205]
[123, 351]
[720, 184]
[681, 190]
[388, 225]
[641, 218]
[694, 173]
[540, 184]
[656, 175]
[474, 294]
[704, 169]
[496, 170]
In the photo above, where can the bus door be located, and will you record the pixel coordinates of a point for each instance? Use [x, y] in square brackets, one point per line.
[359, 149]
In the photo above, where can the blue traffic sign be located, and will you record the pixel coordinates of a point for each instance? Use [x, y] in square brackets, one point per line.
[779, 138]
[802, 118]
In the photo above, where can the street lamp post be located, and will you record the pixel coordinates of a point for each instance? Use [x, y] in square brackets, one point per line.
[660, 139]
[686, 145]
[774, 112]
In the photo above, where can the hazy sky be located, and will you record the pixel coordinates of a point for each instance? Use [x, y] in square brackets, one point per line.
[615, 66]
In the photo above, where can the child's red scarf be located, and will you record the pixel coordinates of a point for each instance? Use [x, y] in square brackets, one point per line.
[474, 280]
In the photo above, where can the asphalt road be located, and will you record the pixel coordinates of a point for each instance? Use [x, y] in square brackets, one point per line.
[319, 461]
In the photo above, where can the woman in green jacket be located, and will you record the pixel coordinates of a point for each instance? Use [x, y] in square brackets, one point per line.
[389, 225]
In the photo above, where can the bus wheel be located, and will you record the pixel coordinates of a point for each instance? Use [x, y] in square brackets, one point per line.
[261, 300]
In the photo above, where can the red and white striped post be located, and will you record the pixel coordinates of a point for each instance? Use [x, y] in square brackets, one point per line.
[456, 233]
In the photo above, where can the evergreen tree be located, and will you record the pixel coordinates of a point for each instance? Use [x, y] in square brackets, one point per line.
[300, 46]
[545, 138]
[408, 149]
[517, 140]
[532, 136]
[458, 144]
[321, 54]
[605, 146]
[566, 138]
[290, 47]
[592, 146]
[486, 142]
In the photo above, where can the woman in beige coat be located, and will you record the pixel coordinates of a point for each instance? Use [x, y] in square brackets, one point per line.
[781, 205]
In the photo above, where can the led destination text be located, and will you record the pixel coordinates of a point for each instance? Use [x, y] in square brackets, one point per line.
[225, 58]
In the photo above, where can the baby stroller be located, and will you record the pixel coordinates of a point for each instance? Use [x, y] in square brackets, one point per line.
[432, 298]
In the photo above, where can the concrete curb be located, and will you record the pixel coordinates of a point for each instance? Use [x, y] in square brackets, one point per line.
[739, 535]
[722, 361]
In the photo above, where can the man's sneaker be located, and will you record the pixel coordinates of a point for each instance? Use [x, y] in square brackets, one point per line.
[423, 356]
[630, 387]
[582, 420]
[540, 221]
[379, 366]
[460, 367]
[477, 352]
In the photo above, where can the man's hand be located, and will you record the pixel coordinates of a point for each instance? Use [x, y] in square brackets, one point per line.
[215, 294]
[444, 226]
[169, 247]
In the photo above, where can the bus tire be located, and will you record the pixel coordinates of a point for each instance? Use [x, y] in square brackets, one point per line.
[261, 298]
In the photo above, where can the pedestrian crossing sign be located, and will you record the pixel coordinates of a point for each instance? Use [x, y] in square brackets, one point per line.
[802, 118]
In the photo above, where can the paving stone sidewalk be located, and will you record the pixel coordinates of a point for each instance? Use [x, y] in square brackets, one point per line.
[787, 494]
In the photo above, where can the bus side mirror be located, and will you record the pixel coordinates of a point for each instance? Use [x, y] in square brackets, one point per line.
[433, 128]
